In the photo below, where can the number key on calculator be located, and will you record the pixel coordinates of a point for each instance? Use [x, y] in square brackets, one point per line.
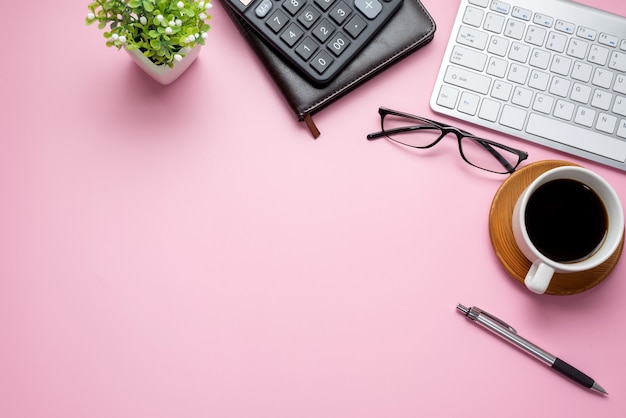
[319, 37]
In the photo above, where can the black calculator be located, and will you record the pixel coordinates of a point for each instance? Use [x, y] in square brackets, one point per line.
[319, 37]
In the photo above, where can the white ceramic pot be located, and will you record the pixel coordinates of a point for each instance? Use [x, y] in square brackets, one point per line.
[163, 73]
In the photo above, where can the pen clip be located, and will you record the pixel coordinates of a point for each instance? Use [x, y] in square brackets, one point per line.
[494, 318]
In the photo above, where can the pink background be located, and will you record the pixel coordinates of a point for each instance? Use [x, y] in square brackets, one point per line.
[189, 251]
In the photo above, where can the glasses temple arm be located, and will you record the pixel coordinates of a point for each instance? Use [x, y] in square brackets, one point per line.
[497, 156]
[387, 132]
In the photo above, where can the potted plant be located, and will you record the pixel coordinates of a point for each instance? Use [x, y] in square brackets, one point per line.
[163, 36]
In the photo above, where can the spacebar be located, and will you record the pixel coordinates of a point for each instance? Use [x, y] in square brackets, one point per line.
[576, 137]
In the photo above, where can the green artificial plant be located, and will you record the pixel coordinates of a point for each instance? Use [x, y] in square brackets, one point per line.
[159, 28]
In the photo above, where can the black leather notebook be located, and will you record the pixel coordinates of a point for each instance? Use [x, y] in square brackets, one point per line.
[407, 31]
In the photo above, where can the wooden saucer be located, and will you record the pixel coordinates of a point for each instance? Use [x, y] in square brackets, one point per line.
[503, 241]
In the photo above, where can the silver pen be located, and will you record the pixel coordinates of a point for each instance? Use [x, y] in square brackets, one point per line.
[509, 333]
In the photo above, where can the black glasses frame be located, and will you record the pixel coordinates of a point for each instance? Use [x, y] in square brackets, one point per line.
[488, 145]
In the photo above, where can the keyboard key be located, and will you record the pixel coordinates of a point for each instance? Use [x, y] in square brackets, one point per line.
[323, 31]
[473, 16]
[602, 78]
[498, 46]
[521, 13]
[263, 8]
[370, 8]
[481, 3]
[619, 106]
[519, 52]
[543, 103]
[447, 97]
[355, 26]
[277, 21]
[338, 43]
[500, 6]
[601, 99]
[608, 40]
[468, 58]
[598, 55]
[586, 33]
[560, 86]
[577, 48]
[513, 117]
[340, 12]
[564, 110]
[309, 17]
[582, 71]
[580, 93]
[540, 58]
[322, 61]
[489, 110]
[621, 129]
[467, 79]
[324, 4]
[561, 65]
[518, 74]
[576, 137]
[497, 67]
[618, 61]
[292, 34]
[543, 20]
[501, 90]
[306, 48]
[514, 29]
[556, 42]
[536, 35]
[620, 84]
[606, 123]
[494, 22]
[585, 116]
[293, 6]
[473, 38]
[522, 97]
[539, 80]
[468, 103]
[564, 26]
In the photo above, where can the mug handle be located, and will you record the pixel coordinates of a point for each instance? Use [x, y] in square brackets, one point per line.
[538, 277]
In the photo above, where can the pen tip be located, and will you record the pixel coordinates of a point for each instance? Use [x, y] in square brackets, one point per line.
[462, 308]
[599, 388]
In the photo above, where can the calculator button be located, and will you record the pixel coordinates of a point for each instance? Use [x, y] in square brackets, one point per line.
[292, 34]
[309, 16]
[263, 9]
[277, 21]
[323, 31]
[321, 61]
[338, 44]
[355, 26]
[340, 12]
[306, 48]
[370, 8]
[293, 6]
[324, 4]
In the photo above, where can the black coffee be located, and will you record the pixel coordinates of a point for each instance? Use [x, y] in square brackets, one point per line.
[566, 220]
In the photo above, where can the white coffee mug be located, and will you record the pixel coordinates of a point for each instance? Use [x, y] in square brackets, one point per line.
[537, 242]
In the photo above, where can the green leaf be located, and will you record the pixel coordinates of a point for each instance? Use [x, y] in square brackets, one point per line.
[148, 6]
[134, 3]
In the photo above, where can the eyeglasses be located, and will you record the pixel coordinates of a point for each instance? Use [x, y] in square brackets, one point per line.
[417, 132]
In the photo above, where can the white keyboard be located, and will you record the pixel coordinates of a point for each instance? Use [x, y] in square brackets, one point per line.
[548, 71]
